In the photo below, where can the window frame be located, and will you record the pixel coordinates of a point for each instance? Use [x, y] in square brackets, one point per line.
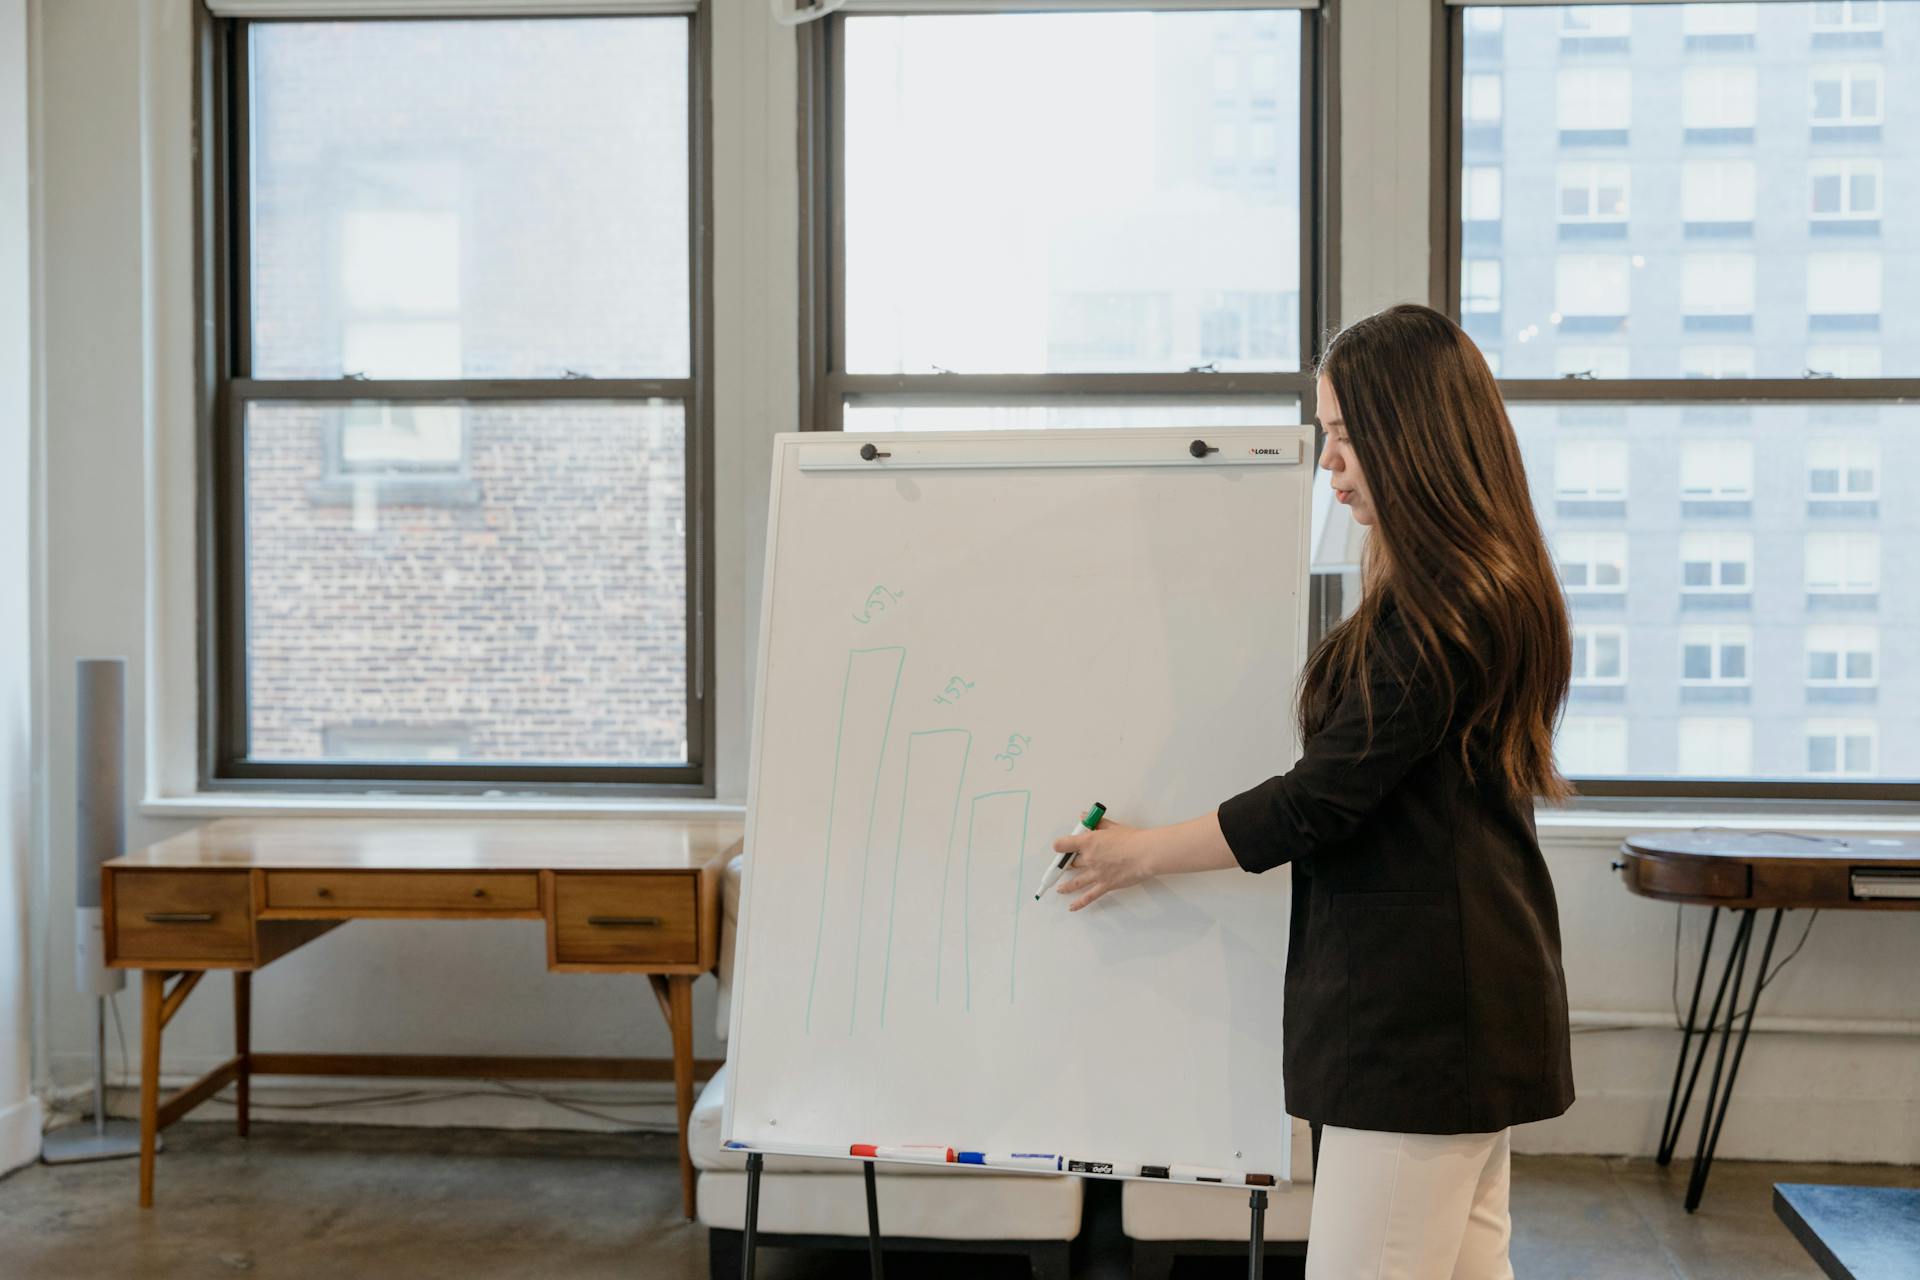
[1812, 389]
[225, 388]
[827, 386]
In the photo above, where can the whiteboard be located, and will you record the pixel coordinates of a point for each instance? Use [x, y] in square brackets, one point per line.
[965, 642]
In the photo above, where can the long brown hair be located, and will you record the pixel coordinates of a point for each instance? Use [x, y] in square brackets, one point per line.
[1456, 548]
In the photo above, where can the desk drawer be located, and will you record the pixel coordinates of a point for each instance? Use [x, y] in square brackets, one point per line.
[461, 891]
[182, 916]
[633, 919]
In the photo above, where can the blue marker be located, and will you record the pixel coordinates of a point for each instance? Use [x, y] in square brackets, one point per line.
[1015, 1160]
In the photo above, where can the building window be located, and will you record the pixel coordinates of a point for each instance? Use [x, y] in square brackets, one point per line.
[1716, 562]
[1480, 287]
[1843, 290]
[1719, 104]
[1716, 747]
[1593, 562]
[1712, 20]
[1843, 362]
[1844, 190]
[1846, 15]
[1590, 471]
[1590, 362]
[1716, 196]
[445, 230]
[1716, 362]
[1847, 97]
[1591, 746]
[1481, 185]
[1716, 470]
[1599, 655]
[1595, 21]
[1591, 193]
[1843, 563]
[1842, 469]
[1595, 104]
[1482, 91]
[1716, 287]
[1843, 657]
[1842, 748]
[1590, 287]
[1715, 655]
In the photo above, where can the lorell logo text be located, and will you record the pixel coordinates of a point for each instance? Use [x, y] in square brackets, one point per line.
[1274, 452]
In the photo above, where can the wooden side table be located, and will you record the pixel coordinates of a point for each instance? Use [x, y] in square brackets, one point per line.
[618, 896]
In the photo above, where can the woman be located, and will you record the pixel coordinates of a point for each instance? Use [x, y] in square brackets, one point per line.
[1426, 1010]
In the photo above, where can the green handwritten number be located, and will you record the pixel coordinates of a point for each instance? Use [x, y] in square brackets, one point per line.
[1017, 743]
[955, 688]
[877, 601]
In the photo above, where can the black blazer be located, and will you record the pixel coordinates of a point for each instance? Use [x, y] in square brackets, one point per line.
[1424, 992]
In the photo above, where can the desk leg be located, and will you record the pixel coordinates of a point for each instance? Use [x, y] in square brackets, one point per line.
[153, 984]
[242, 1042]
[680, 1008]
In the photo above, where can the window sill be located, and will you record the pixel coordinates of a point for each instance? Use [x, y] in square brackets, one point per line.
[1587, 824]
[220, 805]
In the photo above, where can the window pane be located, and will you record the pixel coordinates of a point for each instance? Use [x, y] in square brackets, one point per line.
[523, 601]
[477, 199]
[1759, 164]
[1742, 583]
[1072, 192]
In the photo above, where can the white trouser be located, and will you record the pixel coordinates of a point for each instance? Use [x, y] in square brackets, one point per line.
[1409, 1206]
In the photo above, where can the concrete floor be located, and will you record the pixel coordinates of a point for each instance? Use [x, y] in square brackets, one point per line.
[334, 1202]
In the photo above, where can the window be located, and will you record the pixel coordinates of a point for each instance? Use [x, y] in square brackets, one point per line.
[1599, 655]
[1843, 285]
[1716, 284]
[1716, 362]
[1590, 362]
[1595, 100]
[1593, 193]
[1590, 470]
[1480, 290]
[1719, 100]
[462, 351]
[1716, 562]
[1482, 98]
[1842, 748]
[1595, 562]
[1843, 563]
[1843, 657]
[1847, 96]
[1591, 746]
[1716, 192]
[1482, 187]
[1847, 469]
[1580, 21]
[1715, 655]
[1843, 362]
[1716, 470]
[1592, 285]
[1167, 153]
[1716, 747]
[1846, 15]
[1844, 190]
[1719, 19]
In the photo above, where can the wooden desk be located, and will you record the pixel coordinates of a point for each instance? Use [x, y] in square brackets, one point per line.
[1746, 872]
[617, 895]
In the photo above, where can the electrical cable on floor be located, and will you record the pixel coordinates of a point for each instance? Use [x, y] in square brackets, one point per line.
[120, 1035]
[502, 1090]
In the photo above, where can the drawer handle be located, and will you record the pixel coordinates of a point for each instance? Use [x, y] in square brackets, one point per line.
[479, 893]
[179, 917]
[625, 922]
[323, 892]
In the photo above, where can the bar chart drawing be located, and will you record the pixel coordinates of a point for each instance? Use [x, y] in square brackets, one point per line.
[871, 687]
[936, 773]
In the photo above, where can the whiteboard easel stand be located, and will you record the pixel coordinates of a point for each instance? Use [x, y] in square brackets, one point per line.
[752, 1226]
[1256, 1235]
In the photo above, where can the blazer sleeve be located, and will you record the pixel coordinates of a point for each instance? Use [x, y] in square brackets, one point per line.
[1343, 772]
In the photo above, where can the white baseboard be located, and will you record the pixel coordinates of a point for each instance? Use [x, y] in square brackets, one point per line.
[20, 1124]
[1833, 1129]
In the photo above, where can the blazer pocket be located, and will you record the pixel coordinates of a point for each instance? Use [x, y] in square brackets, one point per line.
[1406, 1000]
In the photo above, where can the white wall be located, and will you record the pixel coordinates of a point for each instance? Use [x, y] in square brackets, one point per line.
[119, 434]
[19, 1108]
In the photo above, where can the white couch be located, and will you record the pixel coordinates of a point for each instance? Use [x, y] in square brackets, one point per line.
[822, 1203]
